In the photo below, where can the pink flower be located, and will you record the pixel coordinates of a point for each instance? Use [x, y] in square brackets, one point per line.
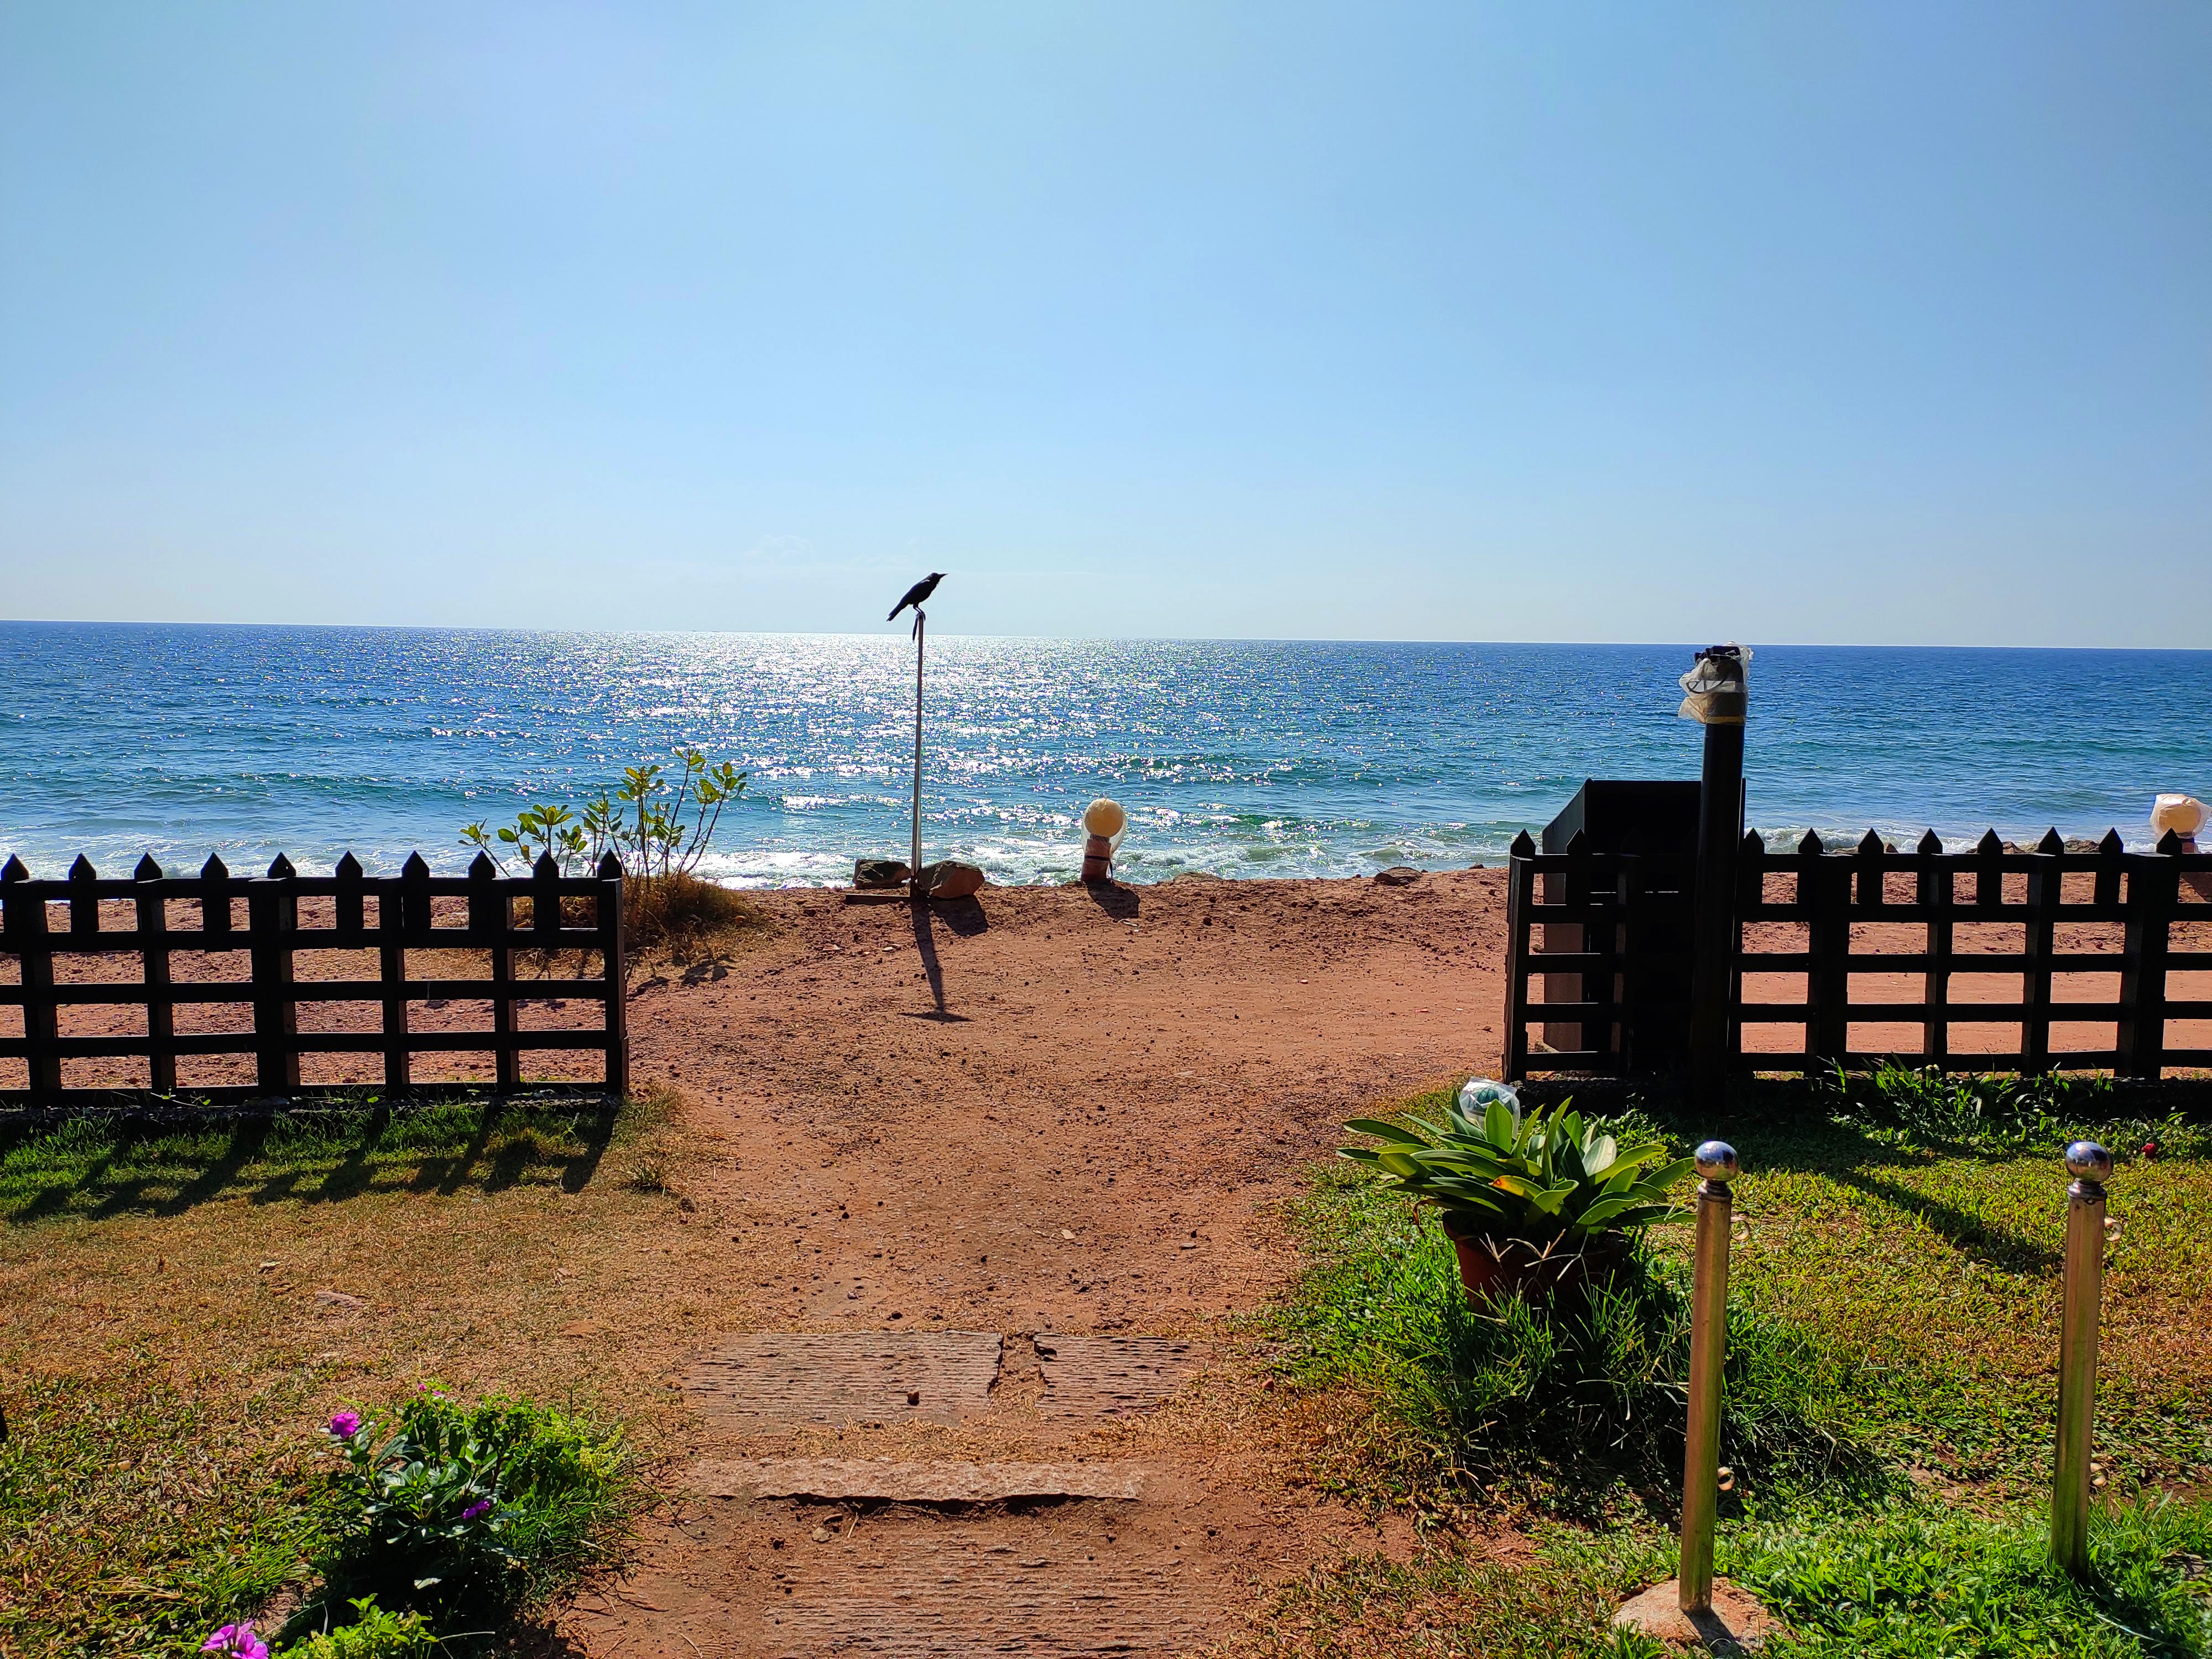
[236, 1641]
[345, 1424]
[481, 1506]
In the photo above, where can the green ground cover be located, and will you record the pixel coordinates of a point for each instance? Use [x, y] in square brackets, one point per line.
[146, 1500]
[93, 1168]
[1890, 1411]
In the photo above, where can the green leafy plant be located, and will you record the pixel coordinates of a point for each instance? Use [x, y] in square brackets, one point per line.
[658, 824]
[373, 1632]
[466, 1511]
[1542, 1176]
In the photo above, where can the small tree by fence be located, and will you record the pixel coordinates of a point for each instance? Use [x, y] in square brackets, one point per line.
[152, 916]
[1623, 982]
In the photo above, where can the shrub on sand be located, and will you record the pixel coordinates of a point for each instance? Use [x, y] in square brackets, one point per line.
[466, 1513]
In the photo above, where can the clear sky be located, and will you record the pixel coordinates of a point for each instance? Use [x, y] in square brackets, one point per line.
[1848, 322]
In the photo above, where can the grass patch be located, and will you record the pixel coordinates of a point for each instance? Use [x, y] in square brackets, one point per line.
[169, 1353]
[134, 1519]
[1894, 1337]
[469, 1513]
[1916, 1581]
[94, 1168]
[1568, 1409]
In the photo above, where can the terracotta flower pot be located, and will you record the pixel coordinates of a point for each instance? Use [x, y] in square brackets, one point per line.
[1495, 1269]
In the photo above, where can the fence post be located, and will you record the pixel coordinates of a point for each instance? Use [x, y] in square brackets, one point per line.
[272, 915]
[1932, 890]
[1824, 888]
[154, 951]
[214, 895]
[491, 918]
[1751, 894]
[1720, 827]
[2046, 883]
[391, 971]
[609, 921]
[1989, 873]
[26, 931]
[2153, 890]
[346, 907]
[1520, 890]
[84, 901]
[1701, 1456]
[2091, 1166]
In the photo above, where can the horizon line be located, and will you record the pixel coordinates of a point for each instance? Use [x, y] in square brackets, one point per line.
[880, 631]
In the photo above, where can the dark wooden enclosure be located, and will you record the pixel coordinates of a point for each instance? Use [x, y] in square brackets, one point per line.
[88, 922]
[1928, 954]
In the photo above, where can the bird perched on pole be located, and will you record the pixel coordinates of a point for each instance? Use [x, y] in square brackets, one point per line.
[915, 595]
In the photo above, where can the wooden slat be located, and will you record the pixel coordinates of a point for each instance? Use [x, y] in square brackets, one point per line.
[612, 970]
[2152, 886]
[161, 1005]
[319, 1043]
[219, 992]
[25, 929]
[1520, 883]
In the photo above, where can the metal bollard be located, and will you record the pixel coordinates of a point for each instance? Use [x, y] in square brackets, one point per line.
[1701, 1458]
[2091, 1166]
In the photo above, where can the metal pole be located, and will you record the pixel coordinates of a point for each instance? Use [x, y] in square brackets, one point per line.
[2090, 1165]
[1701, 1458]
[920, 622]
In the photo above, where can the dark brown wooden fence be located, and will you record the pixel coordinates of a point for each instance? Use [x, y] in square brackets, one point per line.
[43, 923]
[1818, 919]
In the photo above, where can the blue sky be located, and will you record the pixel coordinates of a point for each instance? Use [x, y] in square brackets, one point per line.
[1877, 322]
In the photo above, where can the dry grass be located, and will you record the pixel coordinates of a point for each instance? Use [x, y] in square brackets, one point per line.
[186, 1306]
[685, 917]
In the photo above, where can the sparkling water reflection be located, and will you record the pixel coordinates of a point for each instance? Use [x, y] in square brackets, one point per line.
[1237, 757]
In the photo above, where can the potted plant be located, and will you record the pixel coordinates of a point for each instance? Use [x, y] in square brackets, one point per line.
[1533, 1203]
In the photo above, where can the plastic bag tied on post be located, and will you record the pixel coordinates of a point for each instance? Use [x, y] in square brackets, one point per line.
[1713, 690]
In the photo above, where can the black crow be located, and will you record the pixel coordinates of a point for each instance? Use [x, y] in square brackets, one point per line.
[915, 595]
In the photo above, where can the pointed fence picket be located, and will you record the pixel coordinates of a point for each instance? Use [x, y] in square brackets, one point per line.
[404, 919]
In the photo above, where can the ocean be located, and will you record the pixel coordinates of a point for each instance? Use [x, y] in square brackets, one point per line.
[1241, 759]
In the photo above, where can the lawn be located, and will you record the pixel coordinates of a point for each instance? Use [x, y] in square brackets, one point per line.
[186, 1305]
[1890, 1414]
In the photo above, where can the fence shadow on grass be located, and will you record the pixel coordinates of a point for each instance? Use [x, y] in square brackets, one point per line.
[98, 1170]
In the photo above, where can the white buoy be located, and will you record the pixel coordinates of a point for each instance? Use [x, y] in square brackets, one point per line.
[2183, 814]
[1105, 823]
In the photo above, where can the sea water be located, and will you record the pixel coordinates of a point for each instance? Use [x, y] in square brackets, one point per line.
[1237, 757]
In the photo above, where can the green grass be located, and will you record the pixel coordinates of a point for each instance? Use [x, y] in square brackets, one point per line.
[134, 1520]
[1890, 1416]
[92, 1170]
[1920, 1580]
[143, 1503]
[1573, 1411]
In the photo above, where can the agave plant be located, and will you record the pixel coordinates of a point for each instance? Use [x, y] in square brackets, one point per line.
[1543, 1176]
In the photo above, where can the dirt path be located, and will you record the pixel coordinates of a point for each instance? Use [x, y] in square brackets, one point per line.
[1009, 1167]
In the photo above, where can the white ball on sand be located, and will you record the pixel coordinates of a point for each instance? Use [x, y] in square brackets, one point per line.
[2183, 814]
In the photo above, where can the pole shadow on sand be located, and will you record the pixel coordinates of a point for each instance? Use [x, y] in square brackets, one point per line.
[965, 917]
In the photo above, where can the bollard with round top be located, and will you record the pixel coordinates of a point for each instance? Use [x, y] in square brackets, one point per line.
[1717, 1167]
[2091, 1166]
[1692, 1608]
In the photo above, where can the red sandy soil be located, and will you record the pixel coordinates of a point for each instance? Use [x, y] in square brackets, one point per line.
[1057, 1109]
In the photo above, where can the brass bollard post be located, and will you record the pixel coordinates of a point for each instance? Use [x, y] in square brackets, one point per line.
[2091, 1166]
[1716, 1164]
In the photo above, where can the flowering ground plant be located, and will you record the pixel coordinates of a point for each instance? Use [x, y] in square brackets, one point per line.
[423, 1522]
[466, 1509]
